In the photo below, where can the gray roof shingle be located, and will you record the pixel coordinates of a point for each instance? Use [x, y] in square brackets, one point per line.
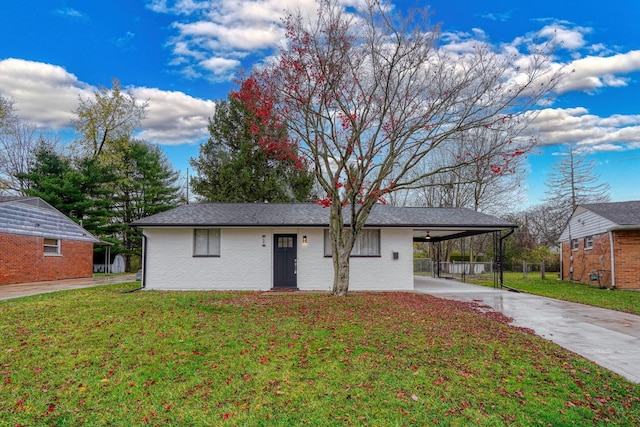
[621, 213]
[313, 215]
[33, 216]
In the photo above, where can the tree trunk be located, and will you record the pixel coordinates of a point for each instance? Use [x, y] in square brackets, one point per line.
[340, 272]
[341, 244]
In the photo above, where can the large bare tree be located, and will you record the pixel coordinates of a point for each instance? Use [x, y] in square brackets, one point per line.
[19, 143]
[572, 181]
[369, 94]
[109, 117]
[6, 111]
[488, 180]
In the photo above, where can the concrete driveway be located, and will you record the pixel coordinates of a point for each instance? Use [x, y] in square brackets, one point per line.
[609, 338]
[26, 289]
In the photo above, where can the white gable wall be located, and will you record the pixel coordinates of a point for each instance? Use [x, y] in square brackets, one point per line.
[585, 223]
[244, 264]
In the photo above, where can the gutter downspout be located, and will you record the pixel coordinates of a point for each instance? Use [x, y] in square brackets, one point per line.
[561, 260]
[613, 263]
[144, 263]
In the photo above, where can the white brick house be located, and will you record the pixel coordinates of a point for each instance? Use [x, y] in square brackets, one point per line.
[254, 246]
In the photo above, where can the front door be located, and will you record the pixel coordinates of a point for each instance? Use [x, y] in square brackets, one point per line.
[284, 261]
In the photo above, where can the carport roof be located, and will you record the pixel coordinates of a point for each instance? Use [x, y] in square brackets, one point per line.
[440, 223]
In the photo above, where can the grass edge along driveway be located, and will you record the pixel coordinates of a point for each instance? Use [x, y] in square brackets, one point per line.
[627, 301]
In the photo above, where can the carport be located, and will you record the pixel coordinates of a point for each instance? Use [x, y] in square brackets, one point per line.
[439, 233]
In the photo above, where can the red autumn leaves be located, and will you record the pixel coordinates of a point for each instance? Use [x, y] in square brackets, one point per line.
[264, 124]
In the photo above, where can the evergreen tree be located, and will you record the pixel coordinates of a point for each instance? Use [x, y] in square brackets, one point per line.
[103, 198]
[75, 189]
[145, 185]
[248, 157]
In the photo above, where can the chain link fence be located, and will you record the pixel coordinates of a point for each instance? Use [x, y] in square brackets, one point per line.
[428, 267]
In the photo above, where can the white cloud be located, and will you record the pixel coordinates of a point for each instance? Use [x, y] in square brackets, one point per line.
[498, 16]
[174, 117]
[595, 72]
[180, 7]
[69, 12]
[576, 125]
[568, 38]
[224, 29]
[125, 40]
[222, 68]
[232, 38]
[46, 95]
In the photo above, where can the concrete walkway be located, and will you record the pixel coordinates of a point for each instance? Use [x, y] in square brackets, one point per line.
[26, 289]
[609, 338]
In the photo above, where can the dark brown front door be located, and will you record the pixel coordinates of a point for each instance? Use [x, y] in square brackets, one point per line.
[284, 261]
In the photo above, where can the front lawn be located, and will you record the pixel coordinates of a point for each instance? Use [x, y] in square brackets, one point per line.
[619, 300]
[96, 357]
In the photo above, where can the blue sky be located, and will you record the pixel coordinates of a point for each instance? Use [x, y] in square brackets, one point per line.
[181, 55]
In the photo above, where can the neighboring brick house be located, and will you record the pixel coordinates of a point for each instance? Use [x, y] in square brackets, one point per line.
[38, 243]
[601, 245]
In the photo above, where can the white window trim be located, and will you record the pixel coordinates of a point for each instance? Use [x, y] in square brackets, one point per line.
[588, 243]
[355, 253]
[575, 244]
[212, 243]
[56, 247]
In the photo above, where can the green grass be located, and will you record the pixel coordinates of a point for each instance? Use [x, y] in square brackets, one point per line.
[98, 357]
[619, 300]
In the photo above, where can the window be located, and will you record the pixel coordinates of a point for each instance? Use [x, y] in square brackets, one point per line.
[367, 244]
[206, 242]
[51, 247]
[285, 242]
[588, 242]
[574, 244]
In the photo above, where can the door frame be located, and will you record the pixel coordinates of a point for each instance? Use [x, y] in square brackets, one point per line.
[292, 264]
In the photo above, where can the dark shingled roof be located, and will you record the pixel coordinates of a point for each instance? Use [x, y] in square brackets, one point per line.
[33, 216]
[621, 213]
[314, 215]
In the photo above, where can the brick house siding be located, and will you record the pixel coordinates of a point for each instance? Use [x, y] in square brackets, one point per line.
[577, 264]
[22, 259]
[598, 259]
[626, 247]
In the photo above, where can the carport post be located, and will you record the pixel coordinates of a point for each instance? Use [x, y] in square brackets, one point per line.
[502, 256]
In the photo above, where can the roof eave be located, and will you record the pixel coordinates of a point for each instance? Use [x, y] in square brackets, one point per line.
[618, 227]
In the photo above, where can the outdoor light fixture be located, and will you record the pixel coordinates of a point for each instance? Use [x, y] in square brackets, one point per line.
[427, 237]
[263, 240]
[304, 240]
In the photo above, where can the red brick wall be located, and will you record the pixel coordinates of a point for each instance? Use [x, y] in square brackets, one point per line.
[587, 260]
[22, 260]
[626, 246]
